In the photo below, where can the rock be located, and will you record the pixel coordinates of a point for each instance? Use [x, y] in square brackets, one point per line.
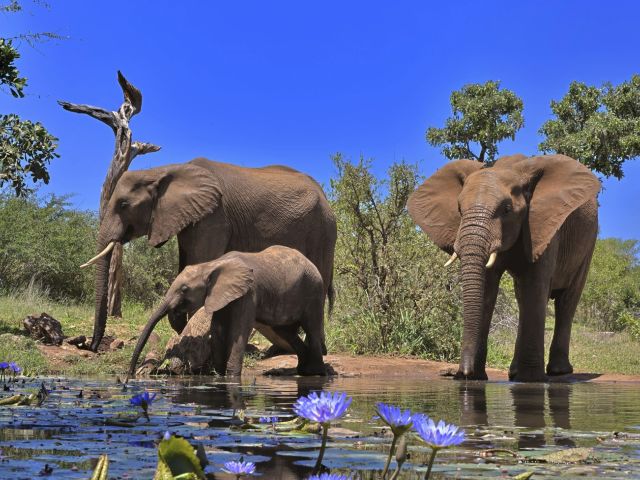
[45, 328]
[154, 340]
[190, 352]
[116, 344]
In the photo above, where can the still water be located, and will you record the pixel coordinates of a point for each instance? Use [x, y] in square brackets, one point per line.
[69, 433]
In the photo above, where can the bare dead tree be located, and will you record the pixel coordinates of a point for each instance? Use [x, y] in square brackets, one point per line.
[125, 151]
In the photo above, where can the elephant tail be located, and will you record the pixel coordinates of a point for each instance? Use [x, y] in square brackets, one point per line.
[331, 295]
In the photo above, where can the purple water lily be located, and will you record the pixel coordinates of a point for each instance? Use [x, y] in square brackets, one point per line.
[437, 436]
[143, 400]
[323, 408]
[329, 476]
[240, 467]
[399, 422]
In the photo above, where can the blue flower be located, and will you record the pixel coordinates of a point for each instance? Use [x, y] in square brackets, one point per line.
[240, 467]
[329, 476]
[438, 436]
[393, 416]
[143, 400]
[268, 420]
[322, 408]
[4, 365]
[13, 366]
[166, 436]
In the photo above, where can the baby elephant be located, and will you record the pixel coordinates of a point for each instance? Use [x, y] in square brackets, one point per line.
[277, 289]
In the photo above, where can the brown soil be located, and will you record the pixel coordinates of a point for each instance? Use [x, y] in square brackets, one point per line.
[407, 368]
[345, 365]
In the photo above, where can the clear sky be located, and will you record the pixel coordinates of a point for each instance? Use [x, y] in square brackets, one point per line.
[256, 83]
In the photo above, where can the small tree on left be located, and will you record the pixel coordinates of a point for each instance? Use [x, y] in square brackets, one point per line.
[125, 151]
[26, 147]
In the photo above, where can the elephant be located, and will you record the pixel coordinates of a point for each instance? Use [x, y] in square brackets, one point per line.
[536, 218]
[215, 208]
[277, 287]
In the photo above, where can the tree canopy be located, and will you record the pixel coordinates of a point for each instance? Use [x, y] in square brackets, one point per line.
[483, 115]
[26, 147]
[599, 126]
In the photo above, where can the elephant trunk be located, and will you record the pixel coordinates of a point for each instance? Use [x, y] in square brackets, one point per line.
[474, 242]
[102, 284]
[144, 336]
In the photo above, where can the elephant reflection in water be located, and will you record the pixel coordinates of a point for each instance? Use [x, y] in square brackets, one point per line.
[528, 403]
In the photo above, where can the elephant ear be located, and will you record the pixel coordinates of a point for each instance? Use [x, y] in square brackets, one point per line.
[509, 161]
[434, 205]
[184, 195]
[229, 280]
[559, 185]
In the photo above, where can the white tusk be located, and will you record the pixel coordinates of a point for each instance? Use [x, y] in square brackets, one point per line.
[452, 259]
[492, 260]
[100, 255]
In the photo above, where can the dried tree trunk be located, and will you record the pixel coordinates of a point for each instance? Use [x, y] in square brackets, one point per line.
[125, 151]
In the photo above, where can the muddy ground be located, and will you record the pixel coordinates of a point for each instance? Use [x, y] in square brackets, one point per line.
[351, 366]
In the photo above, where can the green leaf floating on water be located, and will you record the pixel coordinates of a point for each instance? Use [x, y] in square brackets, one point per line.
[569, 455]
[102, 469]
[523, 476]
[177, 460]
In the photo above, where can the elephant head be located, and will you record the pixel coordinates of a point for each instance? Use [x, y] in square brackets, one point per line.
[212, 284]
[476, 213]
[158, 203]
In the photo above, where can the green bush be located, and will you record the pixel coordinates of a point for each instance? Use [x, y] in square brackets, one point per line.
[44, 242]
[393, 293]
[612, 293]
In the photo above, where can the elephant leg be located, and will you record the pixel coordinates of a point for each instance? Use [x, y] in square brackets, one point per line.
[279, 344]
[313, 325]
[566, 303]
[219, 342]
[532, 292]
[239, 329]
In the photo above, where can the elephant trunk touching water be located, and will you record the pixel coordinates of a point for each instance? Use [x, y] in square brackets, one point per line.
[474, 238]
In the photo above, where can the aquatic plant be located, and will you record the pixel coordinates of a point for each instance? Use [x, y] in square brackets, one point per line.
[11, 367]
[399, 421]
[239, 467]
[143, 400]
[177, 459]
[437, 436]
[329, 476]
[324, 409]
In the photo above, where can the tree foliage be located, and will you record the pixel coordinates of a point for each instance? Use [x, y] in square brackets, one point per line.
[393, 293]
[482, 116]
[599, 126]
[26, 147]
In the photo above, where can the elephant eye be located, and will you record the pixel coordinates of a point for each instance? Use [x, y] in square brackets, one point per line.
[507, 208]
[184, 288]
[124, 204]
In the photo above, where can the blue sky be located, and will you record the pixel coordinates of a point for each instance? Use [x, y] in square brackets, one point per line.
[257, 83]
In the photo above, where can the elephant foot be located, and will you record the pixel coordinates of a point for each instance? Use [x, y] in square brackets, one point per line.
[527, 374]
[311, 369]
[559, 367]
[274, 351]
[479, 375]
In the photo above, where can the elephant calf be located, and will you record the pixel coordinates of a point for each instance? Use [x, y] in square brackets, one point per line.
[278, 289]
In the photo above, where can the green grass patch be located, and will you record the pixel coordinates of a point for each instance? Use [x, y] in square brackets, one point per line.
[591, 351]
[76, 319]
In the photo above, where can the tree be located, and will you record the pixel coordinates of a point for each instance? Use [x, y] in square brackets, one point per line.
[124, 152]
[26, 147]
[394, 294]
[598, 126]
[483, 115]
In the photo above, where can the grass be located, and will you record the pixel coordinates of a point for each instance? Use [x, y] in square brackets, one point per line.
[76, 319]
[591, 351]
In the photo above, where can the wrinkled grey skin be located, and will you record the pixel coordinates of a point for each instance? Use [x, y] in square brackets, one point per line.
[214, 208]
[539, 215]
[278, 288]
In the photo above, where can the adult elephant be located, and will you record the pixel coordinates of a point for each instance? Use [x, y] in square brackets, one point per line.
[214, 208]
[533, 217]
